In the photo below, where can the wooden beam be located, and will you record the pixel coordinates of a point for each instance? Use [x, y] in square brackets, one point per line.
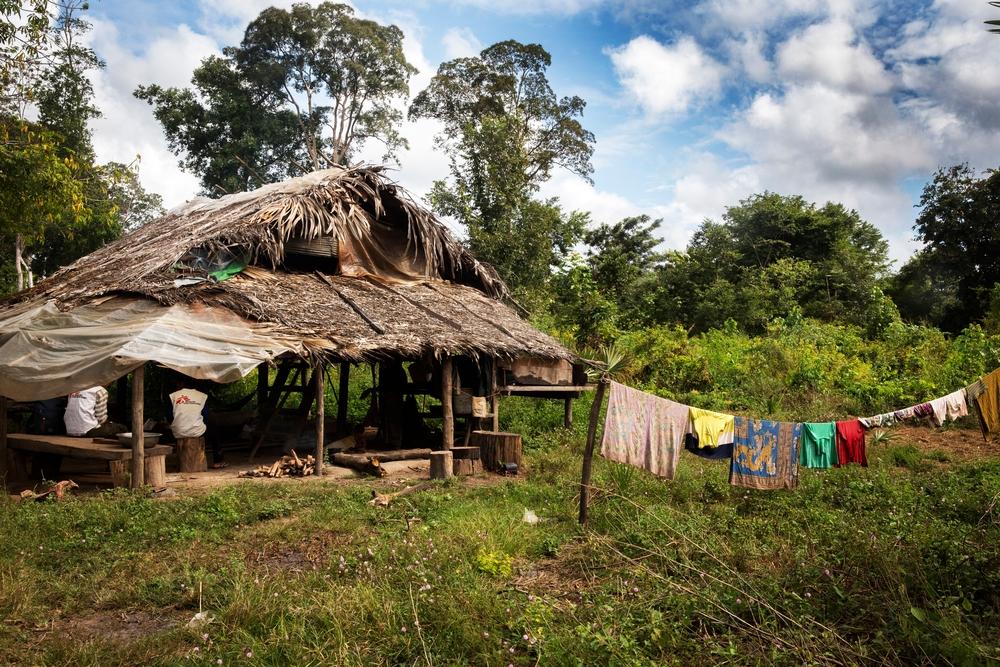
[447, 411]
[496, 397]
[588, 454]
[138, 419]
[320, 416]
[568, 413]
[345, 385]
[4, 470]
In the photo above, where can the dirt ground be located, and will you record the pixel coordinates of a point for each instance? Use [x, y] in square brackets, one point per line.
[961, 444]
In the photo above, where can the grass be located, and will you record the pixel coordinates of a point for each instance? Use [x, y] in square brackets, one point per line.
[897, 563]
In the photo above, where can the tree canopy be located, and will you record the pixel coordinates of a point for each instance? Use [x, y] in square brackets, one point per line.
[305, 88]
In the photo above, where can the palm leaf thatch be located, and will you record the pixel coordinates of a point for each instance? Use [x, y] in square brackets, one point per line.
[422, 292]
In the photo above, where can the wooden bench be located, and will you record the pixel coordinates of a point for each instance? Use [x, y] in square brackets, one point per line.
[57, 446]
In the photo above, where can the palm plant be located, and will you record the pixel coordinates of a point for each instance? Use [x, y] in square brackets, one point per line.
[996, 22]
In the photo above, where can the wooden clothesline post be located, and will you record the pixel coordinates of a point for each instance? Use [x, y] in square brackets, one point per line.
[588, 454]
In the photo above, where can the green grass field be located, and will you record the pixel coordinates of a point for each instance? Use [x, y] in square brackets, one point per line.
[898, 563]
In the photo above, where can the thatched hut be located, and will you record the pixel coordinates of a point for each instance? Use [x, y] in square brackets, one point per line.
[338, 266]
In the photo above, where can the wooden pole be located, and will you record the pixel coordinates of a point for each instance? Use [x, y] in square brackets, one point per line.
[345, 385]
[568, 413]
[588, 454]
[4, 471]
[496, 398]
[262, 378]
[447, 412]
[320, 416]
[138, 442]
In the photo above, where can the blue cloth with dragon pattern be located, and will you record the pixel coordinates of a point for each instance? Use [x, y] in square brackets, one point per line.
[765, 454]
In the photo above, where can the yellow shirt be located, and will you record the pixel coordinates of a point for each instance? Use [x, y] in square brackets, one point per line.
[712, 428]
[989, 402]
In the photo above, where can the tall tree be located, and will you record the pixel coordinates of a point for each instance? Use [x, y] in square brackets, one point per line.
[304, 90]
[505, 131]
[957, 223]
[772, 252]
[24, 36]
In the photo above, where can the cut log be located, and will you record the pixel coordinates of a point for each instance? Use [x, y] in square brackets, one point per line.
[370, 464]
[497, 447]
[156, 471]
[442, 465]
[121, 472]
[465, 453]
[467, 467]
[191, 454]
[387, 455]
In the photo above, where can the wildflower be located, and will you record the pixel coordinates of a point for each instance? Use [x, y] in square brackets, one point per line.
[808, 594]
[826, 572]
[524, 637]
[486, 635]
[218, 661]
[635, 589]
[248, 653]
[403, 629]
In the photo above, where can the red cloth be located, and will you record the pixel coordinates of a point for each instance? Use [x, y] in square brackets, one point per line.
[851, 442]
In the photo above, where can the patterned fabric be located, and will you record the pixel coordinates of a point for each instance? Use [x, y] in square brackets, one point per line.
[880, 421]
[819, 447]
[950, 407]
[904, 414]
[712, 428]
[643, 430]
[923, 410]
[851, 443]
[765, 454]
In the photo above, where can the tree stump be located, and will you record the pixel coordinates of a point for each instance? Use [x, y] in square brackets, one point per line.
[467, 467]
[156, 471]
[191, 454]
[121, 472]
[442, 465]
[496, 448]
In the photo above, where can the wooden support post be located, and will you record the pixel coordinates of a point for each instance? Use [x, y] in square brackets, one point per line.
[496, 398]
[320, 416]
[568, 413]
[588, 454]
[345, 385]
[262, 377]
[447, 411]
[138, 419]
[4, 469]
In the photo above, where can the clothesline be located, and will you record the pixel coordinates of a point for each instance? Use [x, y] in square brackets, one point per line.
[648, 432]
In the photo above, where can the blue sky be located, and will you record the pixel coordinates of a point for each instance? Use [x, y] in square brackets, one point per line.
[695, 105]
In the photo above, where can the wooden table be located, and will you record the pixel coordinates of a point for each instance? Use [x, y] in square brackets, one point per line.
[57, 446]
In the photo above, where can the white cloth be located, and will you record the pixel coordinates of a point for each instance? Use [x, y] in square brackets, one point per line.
[188, 421]
[950, 407]
[81, 414]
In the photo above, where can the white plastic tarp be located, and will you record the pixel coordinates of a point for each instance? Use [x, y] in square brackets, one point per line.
[46, 353]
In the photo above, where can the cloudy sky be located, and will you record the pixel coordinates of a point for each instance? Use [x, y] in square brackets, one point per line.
[695, 104]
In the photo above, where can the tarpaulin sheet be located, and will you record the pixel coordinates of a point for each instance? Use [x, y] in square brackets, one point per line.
[46, 353]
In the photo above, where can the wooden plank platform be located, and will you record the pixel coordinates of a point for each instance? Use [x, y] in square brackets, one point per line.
[79, 448]
[546, 391]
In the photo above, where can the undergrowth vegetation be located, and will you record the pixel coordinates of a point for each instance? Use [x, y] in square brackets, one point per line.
[897, 563]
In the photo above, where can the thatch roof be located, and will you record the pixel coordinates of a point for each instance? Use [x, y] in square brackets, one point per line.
[432, 296]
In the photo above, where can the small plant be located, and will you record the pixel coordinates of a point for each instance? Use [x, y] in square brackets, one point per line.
[496, 563]
[881, 437]
[906, 456]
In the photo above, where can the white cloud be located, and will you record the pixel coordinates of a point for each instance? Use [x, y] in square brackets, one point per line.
[534, 7]
[460, 43]
[666, 78]
[833, 53]
[127, 127]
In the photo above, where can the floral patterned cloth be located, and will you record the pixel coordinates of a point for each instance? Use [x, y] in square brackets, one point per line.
[643, 430]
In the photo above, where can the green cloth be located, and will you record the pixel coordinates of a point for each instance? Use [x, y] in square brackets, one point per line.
[229, 271]
[819, 445]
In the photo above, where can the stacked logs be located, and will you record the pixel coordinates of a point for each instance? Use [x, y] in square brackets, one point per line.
[286, 466]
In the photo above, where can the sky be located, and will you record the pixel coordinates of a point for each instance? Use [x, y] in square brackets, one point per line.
[695, 105]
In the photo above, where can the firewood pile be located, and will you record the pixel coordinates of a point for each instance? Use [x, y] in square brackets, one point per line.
[287, 466]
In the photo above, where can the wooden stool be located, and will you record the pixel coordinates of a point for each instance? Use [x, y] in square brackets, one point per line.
[442, 466]
[497, 448]
[154, 471]
[466, 460]
[191, 454]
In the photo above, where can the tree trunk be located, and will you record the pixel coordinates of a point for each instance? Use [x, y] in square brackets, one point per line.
[588, 454]
[18, 261]
[442, 465]
[496, 448]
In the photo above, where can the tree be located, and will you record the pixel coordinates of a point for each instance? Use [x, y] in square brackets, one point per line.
[505, 131]
[623, 261]
[772, 252]
[24, 34]
[960, 261]
[304, 90]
